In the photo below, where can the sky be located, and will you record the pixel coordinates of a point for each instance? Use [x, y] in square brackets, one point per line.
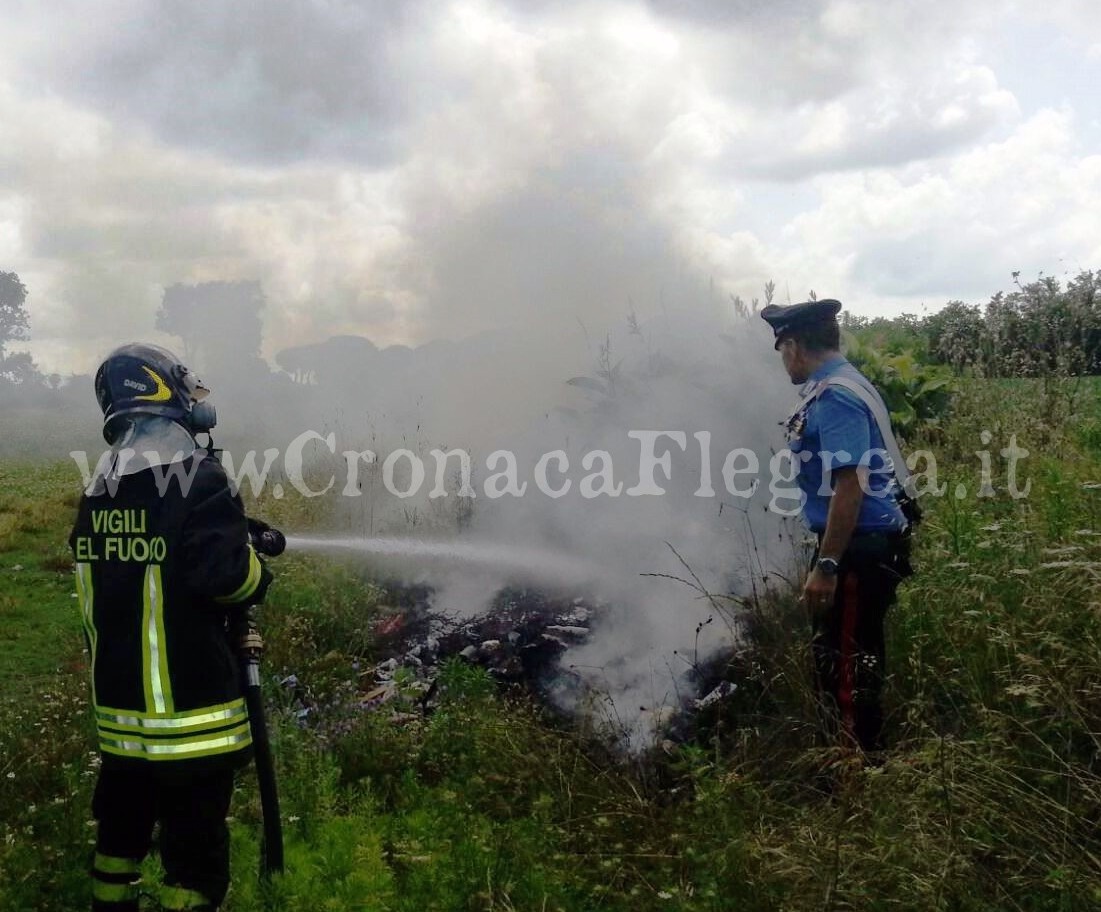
[432, 170]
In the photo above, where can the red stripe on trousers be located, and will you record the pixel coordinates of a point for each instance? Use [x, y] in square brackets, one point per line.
[848, 653]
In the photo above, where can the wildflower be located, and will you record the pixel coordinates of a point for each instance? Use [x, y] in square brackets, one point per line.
[11, 775]
[664, 895]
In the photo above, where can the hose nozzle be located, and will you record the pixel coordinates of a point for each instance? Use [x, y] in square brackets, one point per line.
[266, 540]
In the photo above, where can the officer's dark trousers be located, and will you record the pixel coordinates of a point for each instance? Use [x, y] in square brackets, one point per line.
[849, 651]
[194, 840]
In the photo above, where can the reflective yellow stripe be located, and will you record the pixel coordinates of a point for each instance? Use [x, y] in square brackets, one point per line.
[249, 585]
[182, 898]
[112, 712]
[111, 864]
[86, 597]
[162, 652]
[147, 623]
[195, 720]
[160, 744]
[113, 893]
[127, 733]
[158, 686]
[177, 748]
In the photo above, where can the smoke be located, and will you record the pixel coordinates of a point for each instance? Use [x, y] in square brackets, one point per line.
[689, 368]
[689, 371]
[593, 383]
[522, 199]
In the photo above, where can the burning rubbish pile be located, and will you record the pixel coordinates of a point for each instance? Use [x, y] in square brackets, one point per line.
[616, 662]
[518, 641]
[522, 641]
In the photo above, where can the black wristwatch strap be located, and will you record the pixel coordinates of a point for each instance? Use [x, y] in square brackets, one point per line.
[827, 565]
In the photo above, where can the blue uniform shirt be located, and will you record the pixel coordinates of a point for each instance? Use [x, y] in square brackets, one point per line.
[837, 422]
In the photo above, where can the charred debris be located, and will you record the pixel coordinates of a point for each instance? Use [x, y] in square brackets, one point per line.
[523, 642]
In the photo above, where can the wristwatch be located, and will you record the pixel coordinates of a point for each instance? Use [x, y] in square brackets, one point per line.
[827, 565]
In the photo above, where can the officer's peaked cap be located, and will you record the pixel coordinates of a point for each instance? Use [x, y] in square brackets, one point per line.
[783, 318]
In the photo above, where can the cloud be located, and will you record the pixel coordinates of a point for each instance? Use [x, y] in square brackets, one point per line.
[959, 227]
[892, 123]
[437, 169]
[1079, 20]
[259, 82]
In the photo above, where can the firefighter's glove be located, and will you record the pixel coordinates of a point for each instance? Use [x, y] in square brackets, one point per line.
[266, 540]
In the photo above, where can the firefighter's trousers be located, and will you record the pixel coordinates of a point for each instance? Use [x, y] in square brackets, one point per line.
[193, 836]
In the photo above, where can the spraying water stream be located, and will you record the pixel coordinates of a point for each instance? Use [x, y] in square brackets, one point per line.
[625, 655]
[518, 564]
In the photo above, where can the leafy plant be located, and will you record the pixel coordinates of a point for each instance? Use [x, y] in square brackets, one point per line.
[917, 394]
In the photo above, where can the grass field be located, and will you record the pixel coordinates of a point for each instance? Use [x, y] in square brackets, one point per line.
[990, 799]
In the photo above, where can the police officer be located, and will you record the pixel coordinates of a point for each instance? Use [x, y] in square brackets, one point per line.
[163, 567]
[852, 501]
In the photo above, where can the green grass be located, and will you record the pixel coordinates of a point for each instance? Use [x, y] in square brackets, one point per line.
[39, 624]
[989, 799]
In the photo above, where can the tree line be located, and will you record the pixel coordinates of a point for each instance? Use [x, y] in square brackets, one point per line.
[1039, 328]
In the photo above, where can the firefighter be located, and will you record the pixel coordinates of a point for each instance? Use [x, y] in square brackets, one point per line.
[164, 574]
[854, 500]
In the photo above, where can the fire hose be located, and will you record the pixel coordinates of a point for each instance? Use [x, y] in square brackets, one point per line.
[271, 543]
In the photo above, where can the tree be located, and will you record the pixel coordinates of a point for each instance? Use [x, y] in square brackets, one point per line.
[18, 368]
[219, 323]
[13, 315]
[339, 361]
[955, 333]
[15, 367]
[300, 362]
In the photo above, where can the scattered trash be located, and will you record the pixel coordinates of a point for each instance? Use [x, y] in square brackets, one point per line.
[724, 690]
[519, 641]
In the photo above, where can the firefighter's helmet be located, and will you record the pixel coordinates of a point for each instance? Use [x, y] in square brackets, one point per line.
[140, 379]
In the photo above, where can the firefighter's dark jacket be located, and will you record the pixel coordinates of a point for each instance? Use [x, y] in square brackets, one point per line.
[163, 564]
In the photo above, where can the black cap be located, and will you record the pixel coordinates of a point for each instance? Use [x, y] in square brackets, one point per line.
[783, 318]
